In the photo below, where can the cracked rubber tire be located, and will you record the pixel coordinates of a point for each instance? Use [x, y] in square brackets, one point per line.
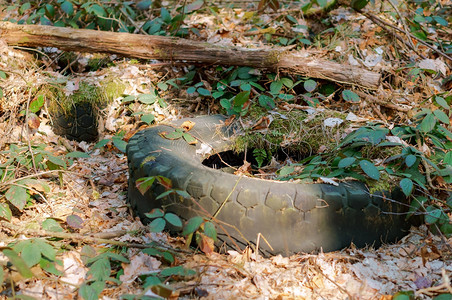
[293, 217]
[80, 124]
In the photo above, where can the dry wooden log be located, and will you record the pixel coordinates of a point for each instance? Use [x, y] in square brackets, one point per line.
[177, 49]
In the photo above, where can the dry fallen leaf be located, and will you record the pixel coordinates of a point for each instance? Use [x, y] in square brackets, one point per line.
[33, 121]
[139, 264]
[187, 125]
[245, 169]
[207, 244]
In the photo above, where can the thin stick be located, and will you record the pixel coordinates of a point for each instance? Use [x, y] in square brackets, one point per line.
[80, 238]
[227, 198]
[378, 20]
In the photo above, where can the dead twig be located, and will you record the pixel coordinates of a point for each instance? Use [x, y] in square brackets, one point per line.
[82, 238]
[383, 23]
[383, 102]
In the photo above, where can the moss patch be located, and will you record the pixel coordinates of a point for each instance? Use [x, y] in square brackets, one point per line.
[296, 131]
[386, 183]
[97, 96]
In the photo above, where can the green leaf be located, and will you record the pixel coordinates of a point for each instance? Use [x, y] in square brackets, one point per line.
[44, 21]
[218, 94]
[189, 138]
[119, 143]
[3, 75]
[164, 194]
[91, 292]
[428, 123]
[407, 186]
[244, 72]
[97, 10]
[210, 231]
[24, 7]
[286, 170]
[49, 266]
[287, 82]
[100, 270]
[447, 159]
[17, 196]
[191, 90]
[143, 5]
[147, 98]
[31, 254]
[173, 219]
[101, 143]
[442, 102]
[166, 17]
[310, 85]
[155, 213]
[346, 162]
[56, 160]
[152, 252]
[143, 184]
[433, 215]
[241, 98]
[1, 93]
[176, 134]
[446, 229]
[410, 160]
[50, 10]
[442, 22]
[370, 169]
[266, 102]
[2, 275]
[116, 256]
[225, 103]
[77, 154]
[157, 225]
[168, 257]
[148, 118]
[245, 87]
[151, 281]
[179, 270]
[275, 87]
[350, 96]
[51, 225]
[445, 132]
[192, 225]
[183, 194]
[203, 92]
[440, 115]
[18, 262]
[5, 212]
[36, 104]
[67, 7]
[404, 295]
[128, 99]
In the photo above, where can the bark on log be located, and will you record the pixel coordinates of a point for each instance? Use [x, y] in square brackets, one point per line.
[177, 49]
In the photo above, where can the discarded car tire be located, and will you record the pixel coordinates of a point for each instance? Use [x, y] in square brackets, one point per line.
[79, 124]
[292, 217]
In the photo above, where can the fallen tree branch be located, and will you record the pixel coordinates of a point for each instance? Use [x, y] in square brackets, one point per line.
[177, 49]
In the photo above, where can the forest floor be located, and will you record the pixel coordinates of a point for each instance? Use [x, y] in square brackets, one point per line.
[87, 199]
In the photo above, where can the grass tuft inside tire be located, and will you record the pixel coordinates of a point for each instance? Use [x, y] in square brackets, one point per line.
[293, 217]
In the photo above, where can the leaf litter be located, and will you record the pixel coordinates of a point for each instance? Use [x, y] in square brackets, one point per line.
[94, 195]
